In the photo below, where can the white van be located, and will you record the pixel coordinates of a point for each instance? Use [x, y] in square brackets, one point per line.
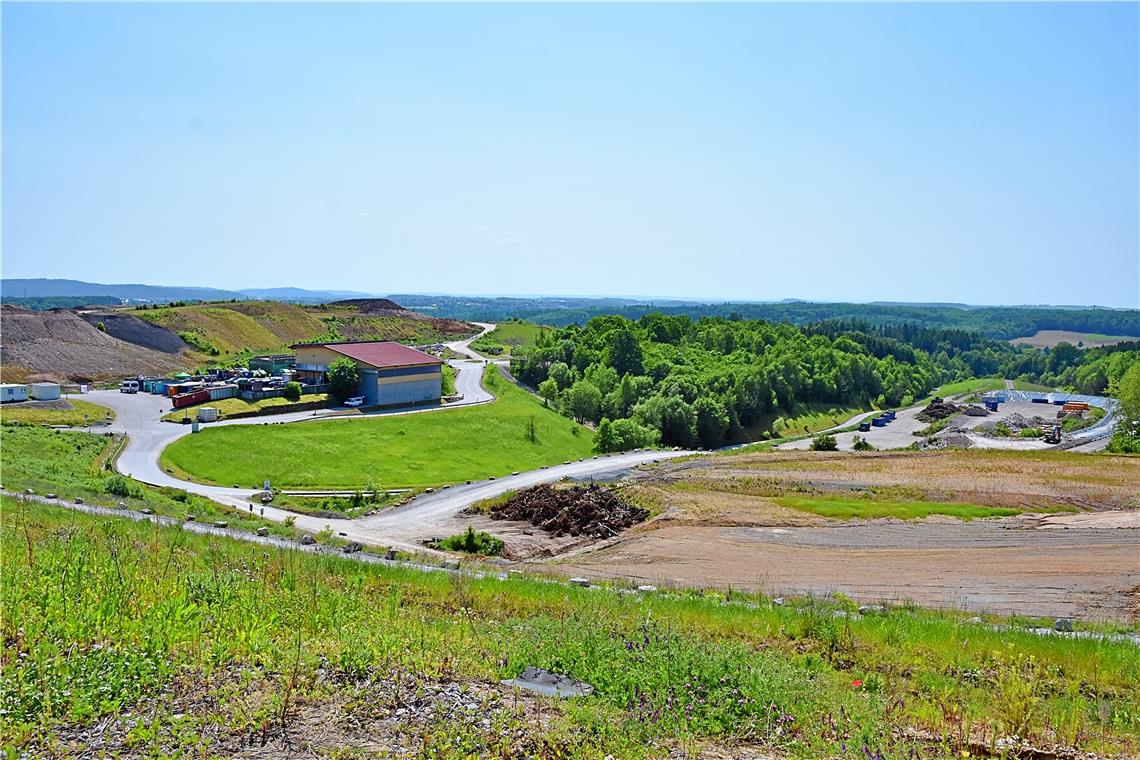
[129, 386]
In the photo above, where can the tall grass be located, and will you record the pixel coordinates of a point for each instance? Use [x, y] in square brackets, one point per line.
[100, 614]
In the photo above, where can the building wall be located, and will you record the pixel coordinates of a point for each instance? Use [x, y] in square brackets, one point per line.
[387, 386]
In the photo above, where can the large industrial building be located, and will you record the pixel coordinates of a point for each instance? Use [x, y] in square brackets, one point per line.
[391, 374]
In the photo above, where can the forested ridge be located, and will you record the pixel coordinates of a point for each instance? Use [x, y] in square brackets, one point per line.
[999, 322]
[680, 381]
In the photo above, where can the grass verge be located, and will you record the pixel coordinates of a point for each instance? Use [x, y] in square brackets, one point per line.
[236, 407]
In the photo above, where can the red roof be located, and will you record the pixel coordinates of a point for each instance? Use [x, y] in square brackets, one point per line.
[381, 354]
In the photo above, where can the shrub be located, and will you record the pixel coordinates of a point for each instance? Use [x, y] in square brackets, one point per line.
[472, 542]
[118, 485]
[824, 443]
[1030, 433]
[860, 444]
[293, 391]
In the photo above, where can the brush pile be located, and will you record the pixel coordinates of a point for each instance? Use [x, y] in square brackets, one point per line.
[938, 410]
[576, 511]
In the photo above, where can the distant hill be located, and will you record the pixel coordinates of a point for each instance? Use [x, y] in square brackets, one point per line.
[62, 302]
[300, 295]
[42, 288]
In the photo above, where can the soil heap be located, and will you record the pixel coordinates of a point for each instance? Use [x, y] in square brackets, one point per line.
[576, 511]
[937, 410]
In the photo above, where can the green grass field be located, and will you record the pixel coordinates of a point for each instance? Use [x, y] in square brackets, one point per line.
[208, 646]
[228, 407]
[508, 337]
[395, 451]
[841, 508]
[80, 414]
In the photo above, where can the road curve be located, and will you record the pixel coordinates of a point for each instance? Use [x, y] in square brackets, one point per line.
[138, 417]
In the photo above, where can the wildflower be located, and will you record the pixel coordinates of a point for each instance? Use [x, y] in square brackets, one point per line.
[857, 684]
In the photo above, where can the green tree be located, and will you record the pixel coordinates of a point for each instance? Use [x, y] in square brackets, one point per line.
[584, 401]
[712, 421]
[292, 391]
[624, 351]
[631, 435]
[548, 389]
[605, 440]
[344, 378]
[560, 373]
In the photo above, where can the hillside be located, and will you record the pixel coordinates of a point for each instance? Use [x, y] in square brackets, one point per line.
[63, 346]
[227, 329]
[69, 345]
[45, 287]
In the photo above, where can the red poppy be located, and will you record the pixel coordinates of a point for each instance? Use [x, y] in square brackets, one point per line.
[856, 683]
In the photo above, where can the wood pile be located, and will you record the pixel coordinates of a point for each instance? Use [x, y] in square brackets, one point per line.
[576, 511]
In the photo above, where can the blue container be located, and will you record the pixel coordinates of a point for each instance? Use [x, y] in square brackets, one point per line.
[1039, 400]
[992, 405]
[879, 422]
[890, 415]
[1058, 402]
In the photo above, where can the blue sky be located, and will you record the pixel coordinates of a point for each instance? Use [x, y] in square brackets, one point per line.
[915, 152]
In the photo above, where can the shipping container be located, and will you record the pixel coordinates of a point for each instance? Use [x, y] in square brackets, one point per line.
[44, 391]
[222, 391]
[879, 422]
[13, 392]
[183, 400]
[1039, 400]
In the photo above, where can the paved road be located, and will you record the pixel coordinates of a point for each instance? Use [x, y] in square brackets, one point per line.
[138, 417]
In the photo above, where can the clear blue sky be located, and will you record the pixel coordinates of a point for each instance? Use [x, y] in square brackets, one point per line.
[945, 152]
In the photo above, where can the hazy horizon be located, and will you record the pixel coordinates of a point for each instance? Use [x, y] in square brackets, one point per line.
[953, 153]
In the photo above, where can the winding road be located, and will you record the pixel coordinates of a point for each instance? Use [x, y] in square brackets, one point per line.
[430, 515]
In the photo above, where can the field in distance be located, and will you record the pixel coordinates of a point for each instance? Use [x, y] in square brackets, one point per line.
[508, 337]
[407, 450]
[1050, 338]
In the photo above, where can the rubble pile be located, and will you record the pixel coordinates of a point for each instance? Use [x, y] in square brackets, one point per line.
[937, 410]
[576, 511]
[951, 438]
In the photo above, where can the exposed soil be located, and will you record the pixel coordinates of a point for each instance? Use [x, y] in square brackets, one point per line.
[383, 307]
[130, 328]
[61, 346]
[721, 528]
[938, 410]
[575, 511]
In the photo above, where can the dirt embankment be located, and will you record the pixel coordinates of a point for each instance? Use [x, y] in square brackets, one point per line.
[383, 307]
[61, 346]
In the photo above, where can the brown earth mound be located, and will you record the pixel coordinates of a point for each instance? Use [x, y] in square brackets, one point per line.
[61, 346]
[383, 307]
[577, 511]
[937, 410]
[375, 306]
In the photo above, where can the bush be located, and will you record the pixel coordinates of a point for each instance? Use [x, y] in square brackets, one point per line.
[293, 391]
[860, 444]
[1030, 433]
[473, 543]
[118, 485]
[824, 443]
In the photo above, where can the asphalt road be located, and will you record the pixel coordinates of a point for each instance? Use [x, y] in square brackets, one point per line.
[431, 515]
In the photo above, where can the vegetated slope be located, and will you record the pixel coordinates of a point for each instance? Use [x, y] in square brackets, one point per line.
[126, 632]
[510, 337]
[226, 329]
[62, 346]
[425, 449]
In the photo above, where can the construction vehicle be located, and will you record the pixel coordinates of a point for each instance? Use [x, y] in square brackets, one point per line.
[1053, 434]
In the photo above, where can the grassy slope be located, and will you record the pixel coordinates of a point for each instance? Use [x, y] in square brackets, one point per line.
[81, 413]
[115, 613]
[251, 327]
[510, 336]
[847, 508]
[70, 464]
[424, 449]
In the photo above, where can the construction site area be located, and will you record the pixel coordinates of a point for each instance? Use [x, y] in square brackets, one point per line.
[1060, 535]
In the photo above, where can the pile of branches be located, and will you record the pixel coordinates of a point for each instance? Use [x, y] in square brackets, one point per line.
[938, 410]
[576, 511]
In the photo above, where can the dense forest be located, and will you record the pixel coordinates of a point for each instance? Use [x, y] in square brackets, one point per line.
[999, 322]
[674, 380]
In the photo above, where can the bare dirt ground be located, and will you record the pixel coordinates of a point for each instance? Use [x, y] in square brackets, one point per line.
[718, 527]
[62, 346]
[1050, 338]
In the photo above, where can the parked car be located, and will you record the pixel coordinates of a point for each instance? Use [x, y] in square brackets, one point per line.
[129, 386]
[354, 401]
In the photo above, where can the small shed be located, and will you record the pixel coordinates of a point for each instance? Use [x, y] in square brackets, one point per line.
[43, 391]
[13, 392]
[207, 414]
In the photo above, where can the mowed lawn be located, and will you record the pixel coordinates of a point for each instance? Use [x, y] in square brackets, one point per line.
[413, 450]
